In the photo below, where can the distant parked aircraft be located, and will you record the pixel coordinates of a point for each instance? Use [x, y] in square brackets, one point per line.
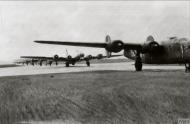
[67, 60]
[26, 61]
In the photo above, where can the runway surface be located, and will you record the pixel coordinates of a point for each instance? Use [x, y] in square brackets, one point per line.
[124, 66]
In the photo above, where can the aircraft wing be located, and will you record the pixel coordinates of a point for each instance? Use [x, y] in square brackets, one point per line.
[129, 46]
[36, 57]
[132, 46]
[97, 57]
[86, 44]
[44, 58]
[113, 56]
[100, 56]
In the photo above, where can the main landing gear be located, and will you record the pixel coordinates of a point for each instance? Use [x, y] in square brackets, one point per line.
[67, 64]
[50, 63]
[32, 63]
[73, 63]
[187, 67]
[138, 62]
[88, 63]
[40, 63]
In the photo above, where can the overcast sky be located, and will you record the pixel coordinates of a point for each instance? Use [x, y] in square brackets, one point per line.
[130, 21]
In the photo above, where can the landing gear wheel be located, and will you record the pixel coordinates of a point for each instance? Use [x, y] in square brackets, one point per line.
[88, 63]
[67, 64]
[56, 63]
[187, 67]
[138, 63]
[73, 63]
[50, 63]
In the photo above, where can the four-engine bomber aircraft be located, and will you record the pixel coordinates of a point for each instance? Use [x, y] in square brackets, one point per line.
[175, 50]
[68, 60]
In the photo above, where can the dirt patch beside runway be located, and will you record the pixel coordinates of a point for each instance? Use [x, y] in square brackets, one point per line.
[102, 97]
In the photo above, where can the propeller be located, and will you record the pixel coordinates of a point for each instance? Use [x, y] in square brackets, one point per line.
[108, 41]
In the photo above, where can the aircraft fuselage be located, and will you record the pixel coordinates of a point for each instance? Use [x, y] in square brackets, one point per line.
[173, 51]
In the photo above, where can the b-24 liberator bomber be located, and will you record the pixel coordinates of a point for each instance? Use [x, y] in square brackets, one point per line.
[172, 51]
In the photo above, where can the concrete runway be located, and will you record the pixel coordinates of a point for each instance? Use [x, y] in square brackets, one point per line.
[125, 66]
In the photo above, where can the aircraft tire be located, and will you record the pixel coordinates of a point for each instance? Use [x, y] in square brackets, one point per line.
[50, 63]
[138, 64]
[187, 67]
[67, 64]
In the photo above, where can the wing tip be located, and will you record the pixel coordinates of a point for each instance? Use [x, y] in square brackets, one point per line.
[38, 41]
[22, 56]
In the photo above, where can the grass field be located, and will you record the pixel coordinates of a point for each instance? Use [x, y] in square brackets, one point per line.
[103, 97]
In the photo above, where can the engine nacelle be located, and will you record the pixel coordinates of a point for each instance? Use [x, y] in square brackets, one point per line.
[99, 56]
[89, 57]
[69, 57]
[115, 46]
[150, 46]
[81, 55]
[56, 57]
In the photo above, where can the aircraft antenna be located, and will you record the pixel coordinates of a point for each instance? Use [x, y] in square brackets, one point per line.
[67, 53]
